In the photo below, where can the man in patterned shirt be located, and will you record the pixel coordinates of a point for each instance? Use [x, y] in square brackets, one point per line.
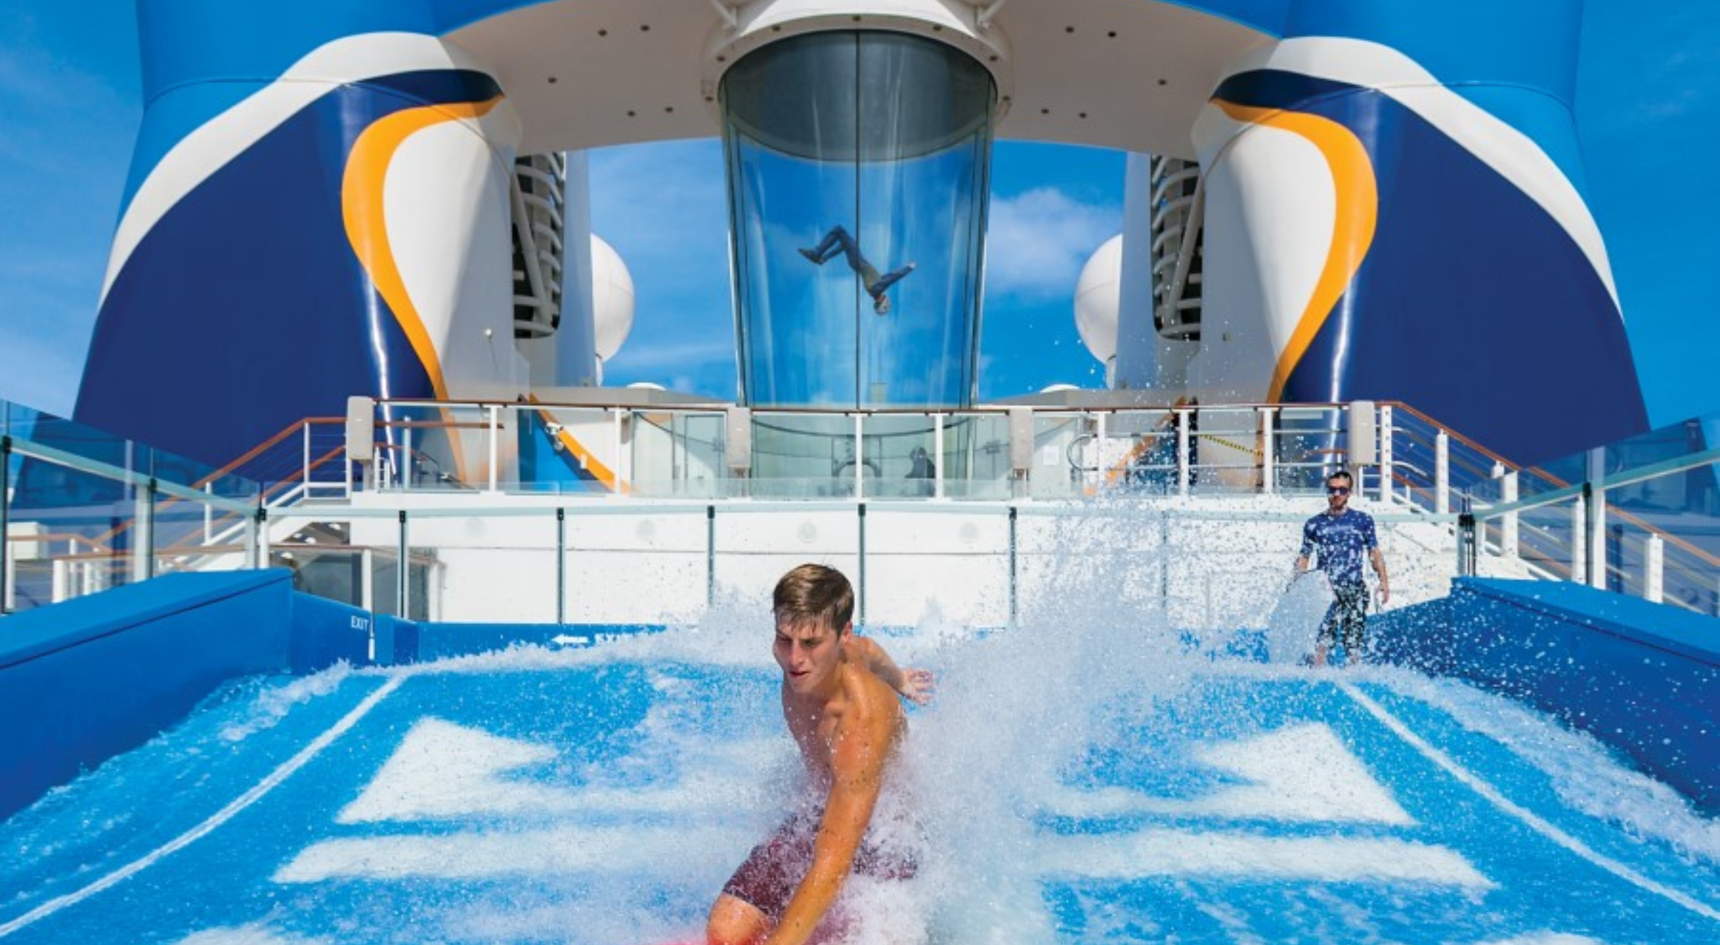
[1341, 535]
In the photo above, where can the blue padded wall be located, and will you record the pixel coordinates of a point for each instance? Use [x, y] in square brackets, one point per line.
[86, 679]
[1641, 677]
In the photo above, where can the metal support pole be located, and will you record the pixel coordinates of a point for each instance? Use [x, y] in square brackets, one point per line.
[405, 458]
[860, 461]
[5, 517]
[1441, 473]
[861, 588]
[710, 555]
[1100, 434]
[1654, 569]
[402, 586]
[1268, 454]
[1182, 452]
[1386, 461]
[1466, 555]
[938, 453]
[561, 565]
[305, 458]
[495, 444]
[143, 554]
[1580, 539]
[1508, 529]
[260, 536]
[1014, 610]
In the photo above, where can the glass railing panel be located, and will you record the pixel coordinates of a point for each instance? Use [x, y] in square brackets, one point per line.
[196, 534]
[1306, 448]
[1224, 450]
[674, 454]
[569, 450]
[326, 563]
[1545, 541]
[69, 533]
[901, 447]
[1141, 451]
[435, 447]
[1057, 471]
[807, 456]
[976, 456]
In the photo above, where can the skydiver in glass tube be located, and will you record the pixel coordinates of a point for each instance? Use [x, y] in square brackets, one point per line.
[838, 240]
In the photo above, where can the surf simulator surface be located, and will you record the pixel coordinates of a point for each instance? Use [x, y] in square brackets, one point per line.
[1079, 779]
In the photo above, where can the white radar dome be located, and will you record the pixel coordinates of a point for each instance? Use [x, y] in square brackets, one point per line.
[1098, 297]
[611, 298]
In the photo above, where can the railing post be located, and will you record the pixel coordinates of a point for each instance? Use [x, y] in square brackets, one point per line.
[1579, 540]
[860, 589]
[367, 580]
[1441, 473]
[1508, 532]
[1596, 500]
[305, 458]
[1101, 433]
[1654, 569]
[1182, 452]
[860, 462]
[1386, 461]
[405, 460]
[710, 555]
[5, 517]
[938, 452]
[402, 569]
[1268, 452]
[495, 444]
[1014, 610]
[143, 554]
[1467, 541]
[561, 564]
[259, 537]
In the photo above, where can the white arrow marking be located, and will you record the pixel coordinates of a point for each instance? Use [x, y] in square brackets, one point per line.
[565, 639]
[442, 770]
[1303, 773]
[1247, 856]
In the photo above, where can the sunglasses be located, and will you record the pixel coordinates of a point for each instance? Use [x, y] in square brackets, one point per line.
[1337, 490]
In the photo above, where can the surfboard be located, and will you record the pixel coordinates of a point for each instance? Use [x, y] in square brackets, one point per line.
[1295, 619]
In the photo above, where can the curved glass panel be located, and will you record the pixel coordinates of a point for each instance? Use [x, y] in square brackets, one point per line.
[858, 177]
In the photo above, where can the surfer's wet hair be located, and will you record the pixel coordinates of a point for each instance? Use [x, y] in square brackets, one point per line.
[814, 592]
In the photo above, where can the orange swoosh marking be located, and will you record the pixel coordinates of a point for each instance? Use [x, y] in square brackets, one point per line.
[1352, 228]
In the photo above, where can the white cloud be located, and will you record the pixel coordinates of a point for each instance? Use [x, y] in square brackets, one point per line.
[1039, 240]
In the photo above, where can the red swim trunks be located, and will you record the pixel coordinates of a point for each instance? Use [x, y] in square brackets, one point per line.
[775, 867]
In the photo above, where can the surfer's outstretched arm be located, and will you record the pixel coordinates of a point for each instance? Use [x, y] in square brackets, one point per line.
[915, 685]
[857, 762]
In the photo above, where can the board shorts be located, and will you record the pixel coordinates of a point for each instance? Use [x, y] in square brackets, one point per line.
[774, 869]
[1347, 618]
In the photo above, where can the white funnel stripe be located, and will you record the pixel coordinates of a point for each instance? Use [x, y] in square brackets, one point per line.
[1252, 857]
[630, 850]
[1514, 155]
[216, 143]
[1528, 818]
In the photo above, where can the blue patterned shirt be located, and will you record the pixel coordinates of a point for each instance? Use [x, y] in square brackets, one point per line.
[1342, 541]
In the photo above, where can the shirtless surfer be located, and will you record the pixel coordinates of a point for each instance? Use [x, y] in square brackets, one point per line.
[839, 700]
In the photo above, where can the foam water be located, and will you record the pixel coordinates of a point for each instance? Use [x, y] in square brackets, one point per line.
[1094, 774]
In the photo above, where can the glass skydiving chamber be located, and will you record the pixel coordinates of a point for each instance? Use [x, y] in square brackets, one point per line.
[858, 166]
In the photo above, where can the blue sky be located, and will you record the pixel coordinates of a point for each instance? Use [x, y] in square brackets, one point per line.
[1648, 110]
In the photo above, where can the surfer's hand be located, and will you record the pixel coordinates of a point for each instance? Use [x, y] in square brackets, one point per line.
[918, 685]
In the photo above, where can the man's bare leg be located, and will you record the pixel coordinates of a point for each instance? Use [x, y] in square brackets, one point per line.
[735, 922]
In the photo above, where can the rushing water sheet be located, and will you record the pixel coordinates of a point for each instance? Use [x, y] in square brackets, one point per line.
[1087, 782]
